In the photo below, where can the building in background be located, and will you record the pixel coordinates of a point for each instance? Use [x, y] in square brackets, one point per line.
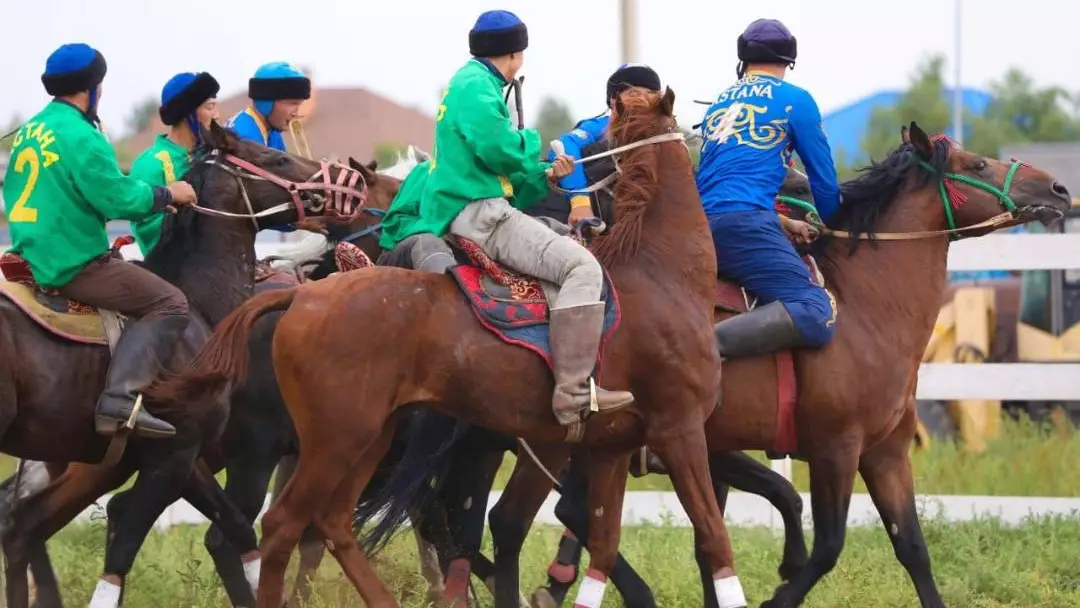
[846, 126]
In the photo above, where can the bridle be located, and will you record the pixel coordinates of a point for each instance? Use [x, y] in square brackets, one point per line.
[346, 200]
[951, 199]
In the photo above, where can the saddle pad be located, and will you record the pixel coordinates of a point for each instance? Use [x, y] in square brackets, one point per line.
[82, 325]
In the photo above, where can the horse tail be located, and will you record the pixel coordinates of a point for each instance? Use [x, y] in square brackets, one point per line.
[430, 440]
[224, 358]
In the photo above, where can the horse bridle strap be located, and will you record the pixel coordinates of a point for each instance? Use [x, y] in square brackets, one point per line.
[347, 201]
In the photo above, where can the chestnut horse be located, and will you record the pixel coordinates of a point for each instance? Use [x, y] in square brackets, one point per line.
[663, 352]
[888, 295]
[210, 259]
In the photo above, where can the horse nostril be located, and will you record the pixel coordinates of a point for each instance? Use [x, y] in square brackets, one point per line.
[1060, 190]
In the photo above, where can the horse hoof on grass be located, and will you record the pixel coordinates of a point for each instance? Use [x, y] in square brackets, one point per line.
[541, 598]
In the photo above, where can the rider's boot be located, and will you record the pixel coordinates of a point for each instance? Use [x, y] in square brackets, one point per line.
[575, 334]
[141, 352]
[765, 329]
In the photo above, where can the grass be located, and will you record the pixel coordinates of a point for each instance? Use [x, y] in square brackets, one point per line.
[981, 564]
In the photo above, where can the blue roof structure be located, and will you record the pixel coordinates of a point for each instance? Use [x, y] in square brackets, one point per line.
[846, 126]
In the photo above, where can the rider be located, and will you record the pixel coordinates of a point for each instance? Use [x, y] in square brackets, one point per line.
[483, 172]
[424, 251]
[629, 80]
[63, 185]
[188, 105]
[277, 91]
[749, 134]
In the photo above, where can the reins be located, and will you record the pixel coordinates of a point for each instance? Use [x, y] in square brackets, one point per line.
[607, 181]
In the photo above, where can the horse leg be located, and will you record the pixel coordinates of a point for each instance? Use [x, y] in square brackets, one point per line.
[312, 548]
[720, 489]
[692, 481]
[232, 524]
[510, 518]
[34, 476]
[245, 486]
[46, 585]
[743, 472]
[572, 512]
[886, 469]
[464, 497]
[832, 475]
[156, 487]
[335, 521]
[38, 516]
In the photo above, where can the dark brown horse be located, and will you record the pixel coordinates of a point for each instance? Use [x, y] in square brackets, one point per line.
[56, 381]
[856, 408]
[444, 358]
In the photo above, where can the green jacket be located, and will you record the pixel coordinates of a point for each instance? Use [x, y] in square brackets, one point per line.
[164, 162]
[62, 185]
[404, 210]
[478, 153]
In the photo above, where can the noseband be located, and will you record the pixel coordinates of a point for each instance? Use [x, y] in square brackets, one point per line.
[346, 200]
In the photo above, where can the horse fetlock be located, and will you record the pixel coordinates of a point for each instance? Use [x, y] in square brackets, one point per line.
[729, 592]
[106, 595]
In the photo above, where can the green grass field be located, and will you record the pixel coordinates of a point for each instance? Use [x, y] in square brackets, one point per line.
[979, 565]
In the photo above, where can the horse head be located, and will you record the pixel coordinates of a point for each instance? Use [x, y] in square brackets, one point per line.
[948, 189]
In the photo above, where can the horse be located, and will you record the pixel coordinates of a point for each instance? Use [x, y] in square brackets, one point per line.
[57, 373]
[461, 478]
[450, 362]
[909, 206]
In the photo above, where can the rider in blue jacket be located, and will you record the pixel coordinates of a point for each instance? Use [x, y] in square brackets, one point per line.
[594, 130]
[748, 135]
[277, 90]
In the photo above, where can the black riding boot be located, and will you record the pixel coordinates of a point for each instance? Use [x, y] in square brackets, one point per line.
[763, 330]
[143, 349]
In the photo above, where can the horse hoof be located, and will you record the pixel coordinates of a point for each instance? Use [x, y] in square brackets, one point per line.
[541, 598]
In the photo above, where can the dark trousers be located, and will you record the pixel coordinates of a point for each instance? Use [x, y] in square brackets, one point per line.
[113, 284]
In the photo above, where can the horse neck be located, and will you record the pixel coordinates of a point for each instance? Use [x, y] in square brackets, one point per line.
[895, 287]
[217, 275]
[675, 231]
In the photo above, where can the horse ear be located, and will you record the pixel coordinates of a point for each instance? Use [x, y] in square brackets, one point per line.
[921, 141]
[368, 171]
[373, 165]
[904, 137]
[620, 107]
[667, 103]
[221, 138]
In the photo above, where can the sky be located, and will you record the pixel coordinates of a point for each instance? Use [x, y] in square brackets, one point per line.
[408, 49]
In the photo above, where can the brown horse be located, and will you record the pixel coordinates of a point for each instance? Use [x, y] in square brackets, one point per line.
[663, 353]
[56, 381]
[856, 407]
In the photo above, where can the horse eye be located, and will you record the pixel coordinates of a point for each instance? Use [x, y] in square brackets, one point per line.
[981, 165]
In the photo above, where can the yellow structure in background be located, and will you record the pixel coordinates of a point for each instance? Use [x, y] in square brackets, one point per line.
[963, 334]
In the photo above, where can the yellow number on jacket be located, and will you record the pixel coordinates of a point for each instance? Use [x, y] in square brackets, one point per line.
[21, 212]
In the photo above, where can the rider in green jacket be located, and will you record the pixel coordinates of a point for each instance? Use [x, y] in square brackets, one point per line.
[483, 172]
[63, 184]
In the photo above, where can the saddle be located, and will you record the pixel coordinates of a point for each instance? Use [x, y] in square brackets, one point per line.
[69, 319]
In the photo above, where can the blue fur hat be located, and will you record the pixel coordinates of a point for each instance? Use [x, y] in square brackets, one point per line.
[184, 93]
[73, 68]
[498, 33]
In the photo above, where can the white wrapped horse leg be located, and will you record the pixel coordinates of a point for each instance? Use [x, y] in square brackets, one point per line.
[106, 595]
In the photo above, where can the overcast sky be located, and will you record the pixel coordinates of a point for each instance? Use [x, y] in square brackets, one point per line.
[408, 49]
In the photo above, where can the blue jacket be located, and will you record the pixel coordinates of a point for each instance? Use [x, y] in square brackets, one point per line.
[744, 159]
[250, 125]
[586, 132]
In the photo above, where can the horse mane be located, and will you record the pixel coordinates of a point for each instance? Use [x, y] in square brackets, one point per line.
[639, 179]
[868, 198]
[180, 230]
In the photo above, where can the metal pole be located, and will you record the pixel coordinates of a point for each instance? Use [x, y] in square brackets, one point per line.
[958, 97]
[628, 19]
